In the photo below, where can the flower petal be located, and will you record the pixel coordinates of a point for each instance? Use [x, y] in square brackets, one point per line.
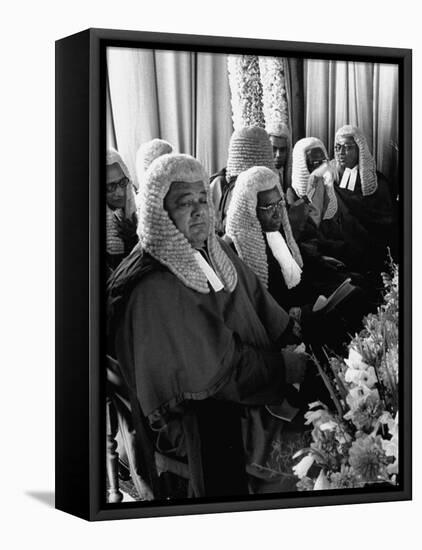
[302, 467]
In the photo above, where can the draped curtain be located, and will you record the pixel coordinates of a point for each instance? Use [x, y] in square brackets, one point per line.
[214, 116]
[182, 97]
[361, 94]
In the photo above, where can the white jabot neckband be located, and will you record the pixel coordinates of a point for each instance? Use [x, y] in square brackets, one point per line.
[208, 271]
[348, 181]
[289, 268]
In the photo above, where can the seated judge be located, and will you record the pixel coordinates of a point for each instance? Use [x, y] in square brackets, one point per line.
[312, 199]
[309, 154]
[363, 220]
[259, 230]
[193, 322]
[121, 219]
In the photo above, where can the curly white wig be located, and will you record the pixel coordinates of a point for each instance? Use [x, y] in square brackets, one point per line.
[160, 237]
[114, 157]
[300, 172]
[243, 226]
[149, 151]
[249, 146]
[367, 167]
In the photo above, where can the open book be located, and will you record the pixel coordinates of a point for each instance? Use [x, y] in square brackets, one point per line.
[325, 305]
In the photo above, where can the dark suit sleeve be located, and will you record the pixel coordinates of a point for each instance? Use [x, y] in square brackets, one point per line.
[257, 378]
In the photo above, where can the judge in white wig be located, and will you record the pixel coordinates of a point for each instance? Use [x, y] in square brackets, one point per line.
[365, 219]
[353, 158]
[313, 178]
[163, 240]
[195, 322]
[258, 226]
[120, 209]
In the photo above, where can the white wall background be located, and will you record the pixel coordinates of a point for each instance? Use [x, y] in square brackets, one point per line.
[27, 273]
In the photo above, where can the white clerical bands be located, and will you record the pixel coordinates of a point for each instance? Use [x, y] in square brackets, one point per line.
[348, 181]
[208, 271]
[289, 268]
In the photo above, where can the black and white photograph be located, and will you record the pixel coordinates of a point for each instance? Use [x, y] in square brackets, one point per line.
[253, 245]
[210, 276]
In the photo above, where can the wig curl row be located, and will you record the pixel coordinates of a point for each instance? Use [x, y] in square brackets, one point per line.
[249, 146]
[148, 152]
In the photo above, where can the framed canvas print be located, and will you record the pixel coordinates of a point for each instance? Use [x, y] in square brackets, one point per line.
[233, 274]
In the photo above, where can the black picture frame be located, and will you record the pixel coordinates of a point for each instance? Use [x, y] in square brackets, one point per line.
[80, 150]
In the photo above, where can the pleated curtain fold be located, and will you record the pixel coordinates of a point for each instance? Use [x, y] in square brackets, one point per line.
[182, 97]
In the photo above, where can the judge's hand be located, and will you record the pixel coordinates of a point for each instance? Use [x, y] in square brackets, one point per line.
[127, 227]
[298, 214]
[295, 365]
[292, 334]
[127, 231]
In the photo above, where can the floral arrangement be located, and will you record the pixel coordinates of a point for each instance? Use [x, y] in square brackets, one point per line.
[246, 91]
[358, 443]
[274, 95]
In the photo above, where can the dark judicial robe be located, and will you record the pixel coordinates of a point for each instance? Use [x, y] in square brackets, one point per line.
[175, 344]
[365, 226]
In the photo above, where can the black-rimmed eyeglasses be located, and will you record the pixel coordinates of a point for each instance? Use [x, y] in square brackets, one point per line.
[271, 208]
[346, 148]
[112, 186]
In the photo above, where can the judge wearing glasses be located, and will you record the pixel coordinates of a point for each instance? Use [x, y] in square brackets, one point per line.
[364, 219]
[121, 220]
[259, 230]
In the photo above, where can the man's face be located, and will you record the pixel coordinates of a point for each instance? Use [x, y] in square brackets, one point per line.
[116, 186]
[279, 151]
[314, 158]
[187, 206]
[268, 209]
[346, 152]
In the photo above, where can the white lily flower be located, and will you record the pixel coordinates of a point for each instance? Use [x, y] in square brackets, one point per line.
[328, 426]
[302, 467]
[355, 360]
[390, 447]
[385, 418]
[356, 396]
[322, 482]
[366, 377]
